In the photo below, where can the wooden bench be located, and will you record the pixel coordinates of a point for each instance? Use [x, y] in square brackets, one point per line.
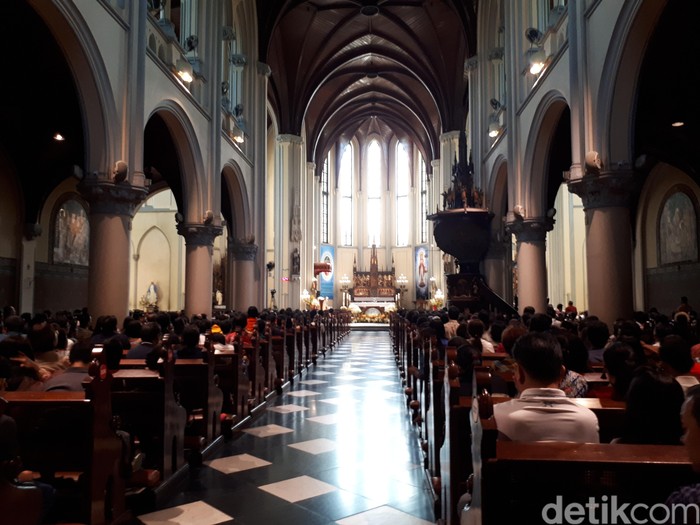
[514, 481]
[68, 435]
[455, 453]
[231, 367]
[197, 391]
[144, 401]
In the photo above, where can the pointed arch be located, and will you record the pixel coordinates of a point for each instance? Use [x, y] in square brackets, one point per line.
[536, 163]
[241, 215]
[96, 97]
[191, 162]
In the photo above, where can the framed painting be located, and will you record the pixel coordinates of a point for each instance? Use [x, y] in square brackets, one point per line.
[677, 229]
[71, 234]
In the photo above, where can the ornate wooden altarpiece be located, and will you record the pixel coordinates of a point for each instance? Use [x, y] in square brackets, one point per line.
[374, 285]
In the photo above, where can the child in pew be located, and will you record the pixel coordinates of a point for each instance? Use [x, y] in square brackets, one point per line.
[542, 412]
[689, 495]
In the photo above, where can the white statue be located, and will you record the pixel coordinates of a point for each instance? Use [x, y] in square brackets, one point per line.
[152, 294]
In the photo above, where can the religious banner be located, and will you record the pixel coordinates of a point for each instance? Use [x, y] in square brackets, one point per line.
[421, 273]
[327, 279]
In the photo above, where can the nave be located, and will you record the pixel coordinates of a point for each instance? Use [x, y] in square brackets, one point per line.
[337, 447]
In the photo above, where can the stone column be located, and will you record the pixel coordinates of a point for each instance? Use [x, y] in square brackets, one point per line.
[531, 235]
[606, 199]
[288, 170]
[199, 266]
[245, 292]
[495, 266]
[112, 207]
[27, 267]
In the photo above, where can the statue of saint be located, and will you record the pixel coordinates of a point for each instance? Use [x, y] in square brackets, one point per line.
[152, 294]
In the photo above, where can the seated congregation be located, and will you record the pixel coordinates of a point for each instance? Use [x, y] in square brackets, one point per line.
[99, 424]
[510, 407]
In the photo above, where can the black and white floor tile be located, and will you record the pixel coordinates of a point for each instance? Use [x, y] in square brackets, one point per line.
[337, 448]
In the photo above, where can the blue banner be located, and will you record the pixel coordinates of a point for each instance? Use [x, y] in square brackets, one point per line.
[421, 273]
[327, 279]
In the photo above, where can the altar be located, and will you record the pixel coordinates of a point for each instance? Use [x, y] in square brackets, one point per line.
[374, 286]
[373, 293]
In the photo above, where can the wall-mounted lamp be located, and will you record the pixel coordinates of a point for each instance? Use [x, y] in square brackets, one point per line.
[184, 70]
[238, 136]
[494, 127]
[535, 55]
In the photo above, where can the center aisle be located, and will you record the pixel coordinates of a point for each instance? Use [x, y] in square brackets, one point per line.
[338, 447]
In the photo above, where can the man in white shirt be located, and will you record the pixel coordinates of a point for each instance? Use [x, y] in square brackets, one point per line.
[542, 412]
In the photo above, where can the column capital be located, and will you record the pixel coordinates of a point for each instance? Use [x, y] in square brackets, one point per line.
[605, 190]
[199, 234]
[471, 63]
[264, 69]
[289, 139]
[530, 230]
[110, 198]
[449, 136]
[243, 251]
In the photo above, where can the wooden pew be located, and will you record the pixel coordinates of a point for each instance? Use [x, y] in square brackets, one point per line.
[70, 432]
[256, 374]
[231, 367]
[144, 400]
[515, 481]
[290, 341]
[314, 333]
[281, 360]
[455, 453]
[197, 391]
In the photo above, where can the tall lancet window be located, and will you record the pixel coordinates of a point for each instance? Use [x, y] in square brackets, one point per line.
[374, 193]
[403, 187]
[324, 199]
[423, 177]
[345, 214]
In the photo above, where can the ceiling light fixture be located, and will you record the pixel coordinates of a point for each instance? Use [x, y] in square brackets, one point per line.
[59, 138]
[369, 10]
[678, 124]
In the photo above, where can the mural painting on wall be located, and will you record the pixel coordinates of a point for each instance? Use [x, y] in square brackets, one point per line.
[678, 230]
[71, 234]
[422, 279]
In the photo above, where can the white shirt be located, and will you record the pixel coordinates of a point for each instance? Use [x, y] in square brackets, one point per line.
[686, 382]
[487, 347]
[546, 414]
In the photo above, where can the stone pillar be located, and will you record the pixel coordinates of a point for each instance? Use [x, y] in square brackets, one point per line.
[229, 261]
[199, 266]
[112, 207]
[531, 235]
[606, 198]
[288, 170]
[26, 265]
[245, 293]
[495, 266]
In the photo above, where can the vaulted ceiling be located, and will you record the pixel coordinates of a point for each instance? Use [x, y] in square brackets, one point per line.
[342, 68]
